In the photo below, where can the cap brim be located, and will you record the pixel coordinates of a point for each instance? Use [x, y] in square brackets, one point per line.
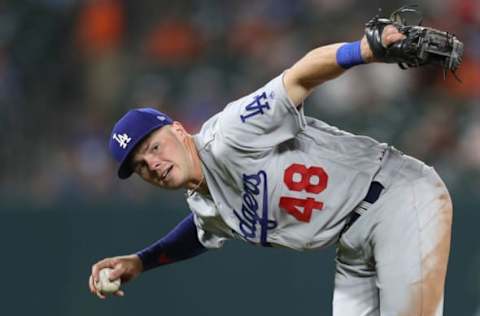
[125, 171]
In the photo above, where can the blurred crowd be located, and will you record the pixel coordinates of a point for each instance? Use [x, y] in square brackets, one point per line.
[70, 68]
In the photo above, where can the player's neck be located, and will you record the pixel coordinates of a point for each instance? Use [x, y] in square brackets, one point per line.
[198, 182]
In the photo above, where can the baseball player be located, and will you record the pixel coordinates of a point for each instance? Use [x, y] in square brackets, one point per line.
[262, 172]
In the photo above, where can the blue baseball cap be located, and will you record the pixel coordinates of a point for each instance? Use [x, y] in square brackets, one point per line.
[129, 131]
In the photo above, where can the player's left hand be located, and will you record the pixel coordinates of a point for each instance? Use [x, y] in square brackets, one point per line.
[420, 45]
[390, 35]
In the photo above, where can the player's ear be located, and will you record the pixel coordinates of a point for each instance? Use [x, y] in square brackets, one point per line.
[178, 129]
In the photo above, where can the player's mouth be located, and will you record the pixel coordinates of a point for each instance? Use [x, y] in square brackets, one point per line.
[165, 174]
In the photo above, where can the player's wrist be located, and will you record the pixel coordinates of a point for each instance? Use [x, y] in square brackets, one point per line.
[137, 263]
[366, 51]
[349, 55]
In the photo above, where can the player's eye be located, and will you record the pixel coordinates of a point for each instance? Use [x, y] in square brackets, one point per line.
[155, 147]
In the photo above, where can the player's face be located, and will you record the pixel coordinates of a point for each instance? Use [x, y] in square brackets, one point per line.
[163, 158]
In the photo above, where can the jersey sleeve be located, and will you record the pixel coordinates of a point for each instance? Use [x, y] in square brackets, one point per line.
[262, 119]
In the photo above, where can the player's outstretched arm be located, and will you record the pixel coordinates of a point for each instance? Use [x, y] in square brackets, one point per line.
[179, 244]
[328, 62]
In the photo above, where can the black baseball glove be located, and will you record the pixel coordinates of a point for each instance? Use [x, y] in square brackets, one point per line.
[422, 45]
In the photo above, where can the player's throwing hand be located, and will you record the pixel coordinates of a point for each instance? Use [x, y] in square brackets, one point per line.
[125, 267]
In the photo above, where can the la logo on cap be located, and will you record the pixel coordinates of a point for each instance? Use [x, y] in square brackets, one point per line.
[122, 139]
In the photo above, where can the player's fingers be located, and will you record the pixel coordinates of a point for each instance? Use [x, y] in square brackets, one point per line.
[393, 38]
[117, 272]
[119, 293]
[391, 35]
[105, 263]
[91, 285]
[100, 295]
[396, 37]
[389, 29]
[95, 269]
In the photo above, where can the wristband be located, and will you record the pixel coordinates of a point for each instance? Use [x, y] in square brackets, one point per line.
[349, 55]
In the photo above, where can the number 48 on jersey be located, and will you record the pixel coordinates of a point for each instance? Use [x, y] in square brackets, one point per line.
[299, 178]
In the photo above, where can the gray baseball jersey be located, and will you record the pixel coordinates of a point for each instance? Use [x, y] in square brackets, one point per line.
[278, 177]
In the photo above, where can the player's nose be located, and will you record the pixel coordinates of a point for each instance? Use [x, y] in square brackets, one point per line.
[152, 163]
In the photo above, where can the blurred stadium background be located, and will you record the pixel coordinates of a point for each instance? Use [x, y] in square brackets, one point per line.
[69, 68]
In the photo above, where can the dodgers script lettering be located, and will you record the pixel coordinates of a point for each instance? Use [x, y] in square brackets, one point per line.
[255, 198]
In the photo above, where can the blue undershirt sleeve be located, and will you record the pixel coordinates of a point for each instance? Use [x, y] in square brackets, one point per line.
[179, 244]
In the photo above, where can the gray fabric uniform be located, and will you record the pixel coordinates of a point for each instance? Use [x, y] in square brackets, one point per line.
[278, 178]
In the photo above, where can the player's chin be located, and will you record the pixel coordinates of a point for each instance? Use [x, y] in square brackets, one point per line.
[171, 183]
[172, 186]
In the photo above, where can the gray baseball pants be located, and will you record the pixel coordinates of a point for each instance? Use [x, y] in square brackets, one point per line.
[393, 260]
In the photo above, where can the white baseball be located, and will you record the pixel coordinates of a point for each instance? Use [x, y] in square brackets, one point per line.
[104, 285]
